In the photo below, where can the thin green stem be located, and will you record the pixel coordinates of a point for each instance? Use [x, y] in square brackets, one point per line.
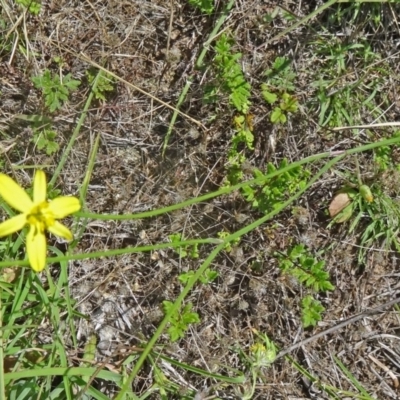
[227, 190]
[75, 134]
[358, 172]
[83, 193]
[175, 114]
[115, 252]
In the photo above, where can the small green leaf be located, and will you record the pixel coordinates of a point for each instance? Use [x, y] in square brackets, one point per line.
[71, 84]
[297, 251]
[190, 318]
[205, 6]
[33, 6]
[211, 275]
[345, 214]
[231, 75]
[55, 91]
[280, 62]
[311, 311]
[105, 83]
[41, 142]
[268, 96]
[89, 350]
[183, 278]
[194, 251]
[278, 116]
[238, 121]
[289, 103]
[52, 147]
[45, 139]
[180, 321]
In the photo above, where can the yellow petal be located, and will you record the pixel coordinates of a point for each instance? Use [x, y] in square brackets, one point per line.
[12, 225]
[60, 230]
[63, 206]
[36, 249]
[14, 195]
[39, 187]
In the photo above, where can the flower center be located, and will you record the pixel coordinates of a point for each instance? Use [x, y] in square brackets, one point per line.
[41, 217]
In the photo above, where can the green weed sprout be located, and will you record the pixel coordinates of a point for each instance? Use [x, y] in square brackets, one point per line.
[261, 355]
[104, 84]
[230, 79]
[309, 272]
[228, 247]
[180, 321]
[263, 352]
[45, 140]
[305, 268]
[207, 277]
[311, 311]
[231, 75]
[56, 91]
[269, 194]
[184, 251]
[205, 6]
[33, 7]
[276, 91]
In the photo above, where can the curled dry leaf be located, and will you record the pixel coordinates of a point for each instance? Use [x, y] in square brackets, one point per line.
[339, 202]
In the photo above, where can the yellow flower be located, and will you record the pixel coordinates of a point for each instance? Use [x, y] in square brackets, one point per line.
[39, 214]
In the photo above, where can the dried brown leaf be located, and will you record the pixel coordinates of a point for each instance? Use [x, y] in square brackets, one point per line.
[339, 202]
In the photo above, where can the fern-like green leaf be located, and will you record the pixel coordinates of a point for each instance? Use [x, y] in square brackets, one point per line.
[311, 310]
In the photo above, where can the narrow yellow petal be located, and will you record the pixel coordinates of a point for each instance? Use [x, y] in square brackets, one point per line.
[36, 249]
[39, 187]
[63, 206]
[14, 195]
[61, 230]
[12, 225]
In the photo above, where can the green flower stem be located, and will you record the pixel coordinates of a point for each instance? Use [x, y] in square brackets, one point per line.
[358, 172]
[116, 252]
[203, 198]
[89, 171]
[226, 190]
[81, 225]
